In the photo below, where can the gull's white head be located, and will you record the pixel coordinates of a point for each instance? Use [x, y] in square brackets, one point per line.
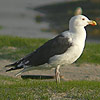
[80, 21]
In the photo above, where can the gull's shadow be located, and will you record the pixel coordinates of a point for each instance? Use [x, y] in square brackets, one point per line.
[37, 76]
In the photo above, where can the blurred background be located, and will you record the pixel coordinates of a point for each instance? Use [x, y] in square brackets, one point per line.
[45, 18]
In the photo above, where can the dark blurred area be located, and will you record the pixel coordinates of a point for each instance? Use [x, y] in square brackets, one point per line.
[42, 18]
[58, 15]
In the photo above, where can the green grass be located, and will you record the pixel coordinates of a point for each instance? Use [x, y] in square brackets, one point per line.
[91, 54]
[13, 48]
[18, 89]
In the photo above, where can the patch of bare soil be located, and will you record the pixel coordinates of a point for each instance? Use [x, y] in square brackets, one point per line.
[11, 48]
[71, 72]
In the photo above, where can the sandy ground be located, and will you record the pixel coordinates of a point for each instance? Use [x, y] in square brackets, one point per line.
[71, 72]
[16, 19]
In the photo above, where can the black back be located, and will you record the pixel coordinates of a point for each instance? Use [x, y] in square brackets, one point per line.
[55, 46]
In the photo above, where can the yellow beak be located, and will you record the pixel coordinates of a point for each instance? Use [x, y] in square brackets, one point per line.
[93, 23]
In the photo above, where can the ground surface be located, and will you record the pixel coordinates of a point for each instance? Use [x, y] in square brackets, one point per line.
[72, 72]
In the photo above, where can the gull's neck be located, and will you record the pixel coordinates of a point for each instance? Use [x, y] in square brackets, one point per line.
[76, 29]
[79, 33]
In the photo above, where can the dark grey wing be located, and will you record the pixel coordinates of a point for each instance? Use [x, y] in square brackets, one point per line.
[55, 46]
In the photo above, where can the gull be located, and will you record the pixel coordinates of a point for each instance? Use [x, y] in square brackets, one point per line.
[63, 49]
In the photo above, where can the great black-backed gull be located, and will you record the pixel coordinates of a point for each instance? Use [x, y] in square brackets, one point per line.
[65, 48]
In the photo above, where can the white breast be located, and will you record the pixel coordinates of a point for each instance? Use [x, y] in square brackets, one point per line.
[72, 54]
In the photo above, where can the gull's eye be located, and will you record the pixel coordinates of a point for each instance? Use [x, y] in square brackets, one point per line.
[83, 18]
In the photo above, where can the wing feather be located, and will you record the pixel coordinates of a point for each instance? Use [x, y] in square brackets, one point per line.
[55, 46]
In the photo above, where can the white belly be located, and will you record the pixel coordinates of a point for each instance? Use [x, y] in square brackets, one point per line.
[70, 56]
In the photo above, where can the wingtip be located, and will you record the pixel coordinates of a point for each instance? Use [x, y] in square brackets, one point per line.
[7, 66]
[8, 70]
